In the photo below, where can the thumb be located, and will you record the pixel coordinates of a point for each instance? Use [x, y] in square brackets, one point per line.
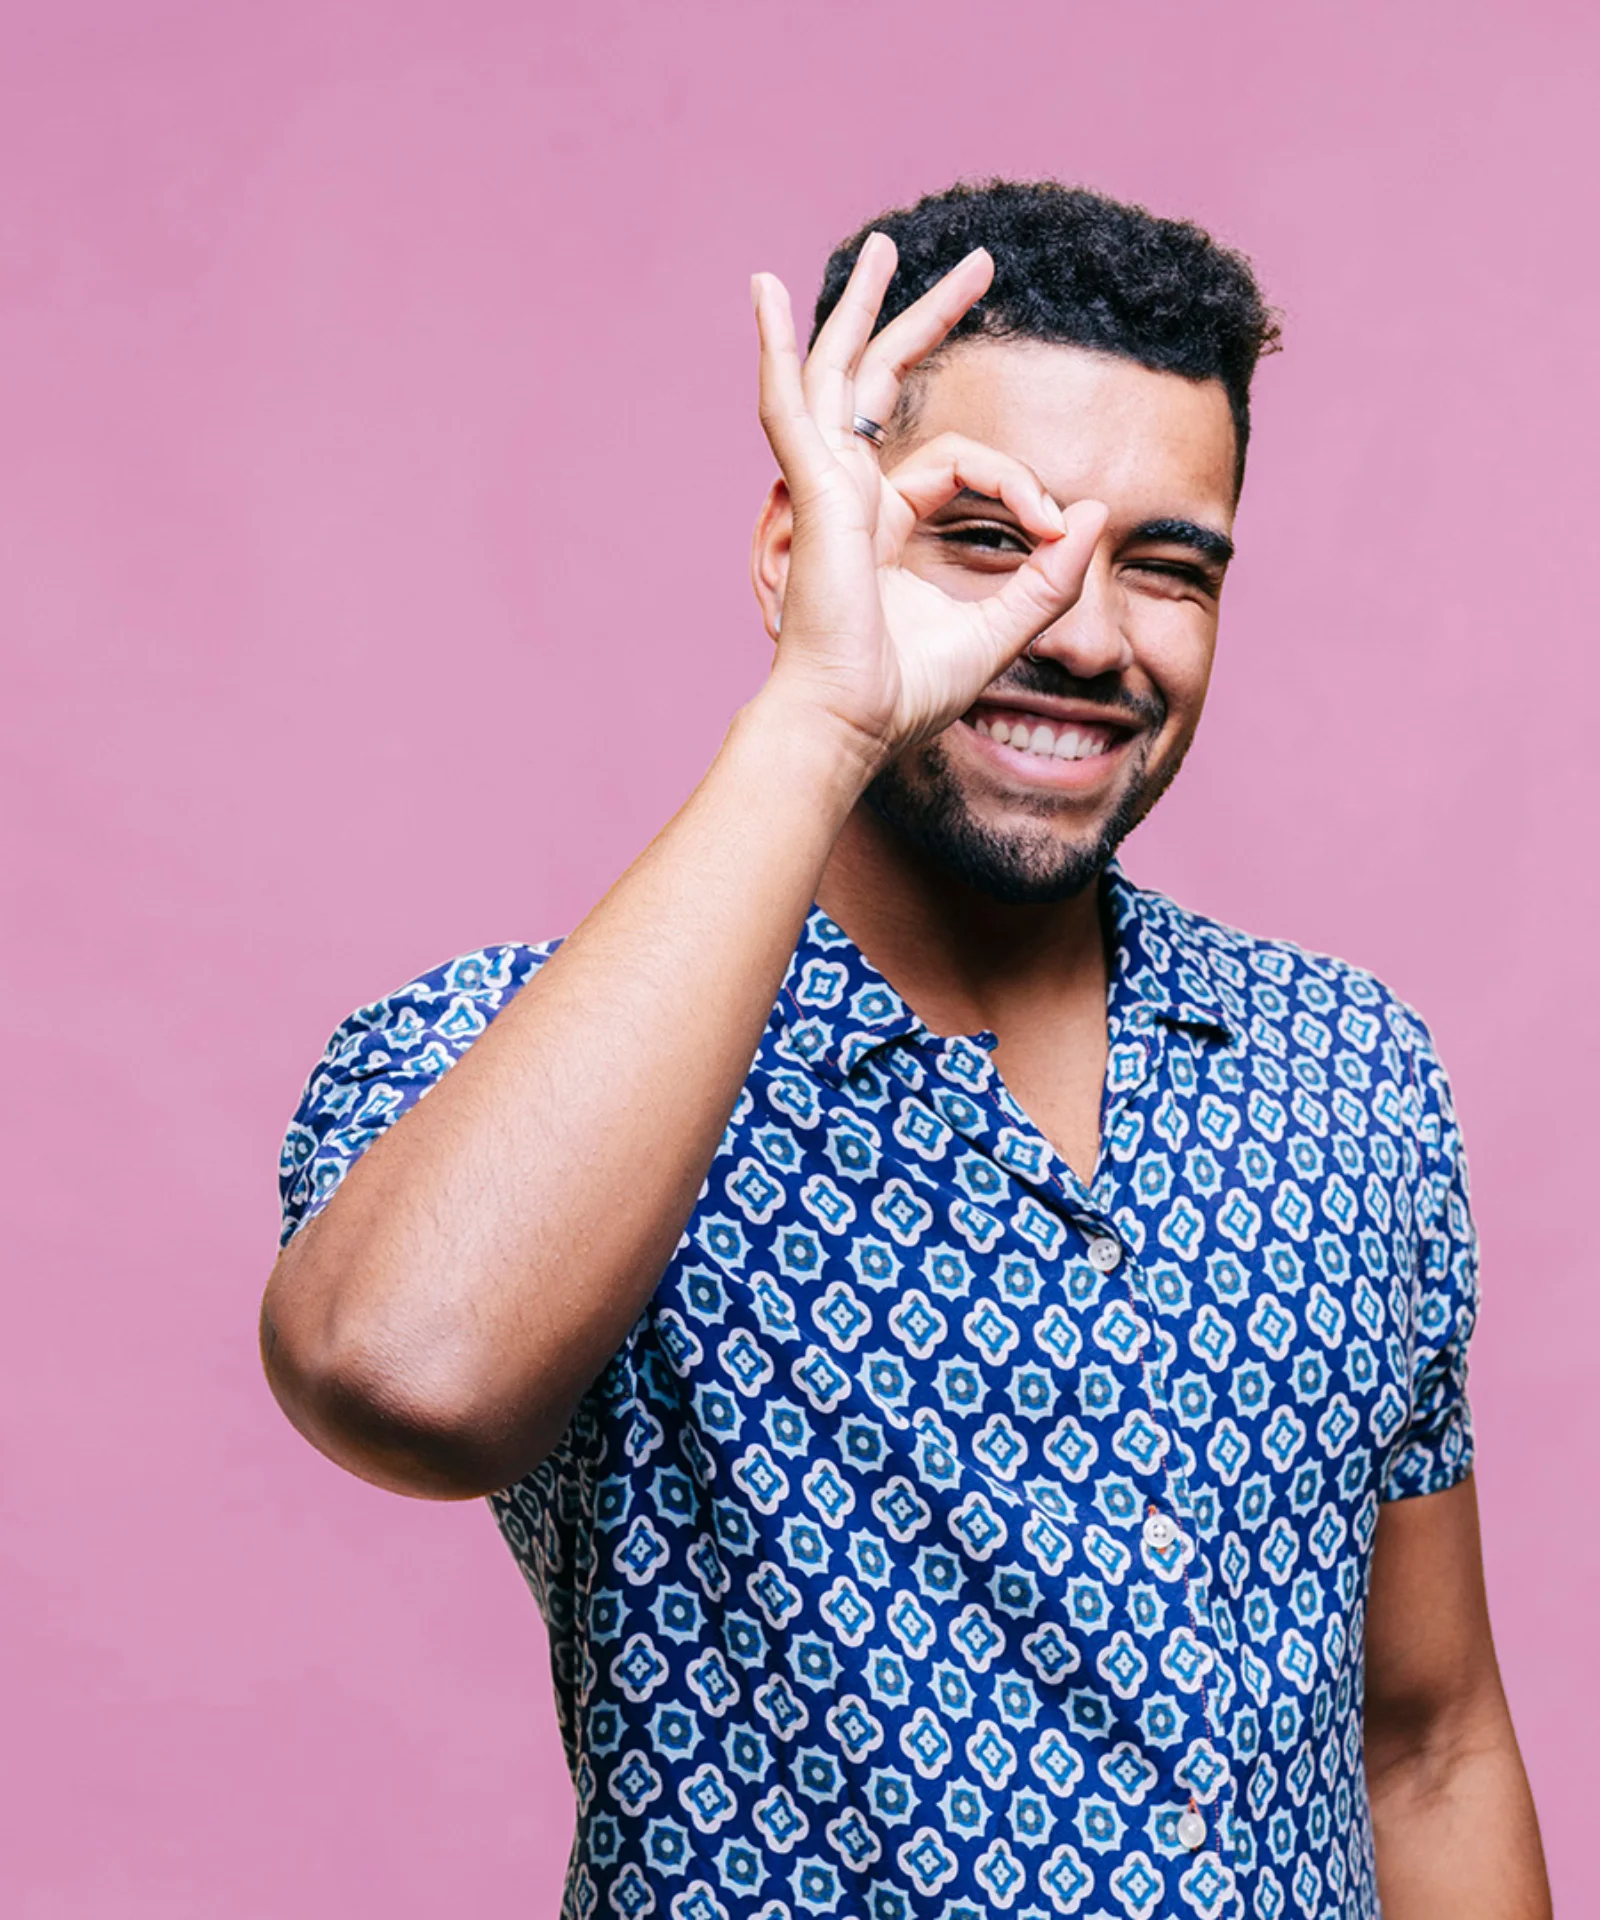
[1046, 585]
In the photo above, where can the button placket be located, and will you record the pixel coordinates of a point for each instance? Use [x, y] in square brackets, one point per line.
[1168, 1526]
[1161, 1531]
[1090, 1211]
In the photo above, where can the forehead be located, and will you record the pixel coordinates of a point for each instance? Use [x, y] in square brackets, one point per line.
[1089, 424]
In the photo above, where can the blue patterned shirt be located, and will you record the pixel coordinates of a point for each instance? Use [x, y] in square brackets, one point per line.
[950, 1539]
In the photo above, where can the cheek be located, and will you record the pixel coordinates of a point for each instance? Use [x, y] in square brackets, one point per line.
[1174, 646]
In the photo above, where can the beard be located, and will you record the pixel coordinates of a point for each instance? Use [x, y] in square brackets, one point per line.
[1017, 866]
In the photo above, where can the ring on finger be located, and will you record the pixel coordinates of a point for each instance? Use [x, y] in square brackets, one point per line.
[869, 430]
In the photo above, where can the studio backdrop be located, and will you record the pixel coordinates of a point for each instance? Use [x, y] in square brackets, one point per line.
[377, 460]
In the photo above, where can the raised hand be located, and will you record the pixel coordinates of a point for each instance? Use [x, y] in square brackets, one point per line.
[886, 654]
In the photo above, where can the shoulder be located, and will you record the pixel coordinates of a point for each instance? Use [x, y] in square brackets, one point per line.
[384, 1057]
[1295, 1002]
[450, 1005]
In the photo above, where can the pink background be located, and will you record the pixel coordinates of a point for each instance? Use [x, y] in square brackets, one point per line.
[377, 456]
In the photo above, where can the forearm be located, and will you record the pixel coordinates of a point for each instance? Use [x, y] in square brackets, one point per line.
[1455, 1829]
[434, 1326]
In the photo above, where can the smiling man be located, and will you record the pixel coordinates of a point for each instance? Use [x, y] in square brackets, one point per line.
[968, 1354]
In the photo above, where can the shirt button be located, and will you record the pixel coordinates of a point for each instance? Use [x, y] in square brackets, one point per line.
[1160, 1530]
[1104, 1254]
[1191, 1829]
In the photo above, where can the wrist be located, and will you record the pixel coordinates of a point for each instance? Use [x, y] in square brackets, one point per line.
[821, 752]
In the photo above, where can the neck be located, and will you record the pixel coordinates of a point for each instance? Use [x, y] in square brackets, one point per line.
[960, 958]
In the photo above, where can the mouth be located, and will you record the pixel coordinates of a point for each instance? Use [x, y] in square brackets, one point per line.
[1060, 749]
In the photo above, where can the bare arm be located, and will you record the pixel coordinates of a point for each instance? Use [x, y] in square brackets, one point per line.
[434, 1327]
[1453, 1818]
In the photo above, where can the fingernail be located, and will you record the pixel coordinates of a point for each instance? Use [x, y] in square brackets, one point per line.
[755, 291]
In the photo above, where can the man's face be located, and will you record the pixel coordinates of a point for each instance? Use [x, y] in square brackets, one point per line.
[1029, 793]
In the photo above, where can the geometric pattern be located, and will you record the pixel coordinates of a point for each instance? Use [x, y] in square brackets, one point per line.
[949, 1539]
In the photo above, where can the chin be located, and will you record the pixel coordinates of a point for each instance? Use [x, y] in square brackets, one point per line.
[1018, 859]
[1022, 857]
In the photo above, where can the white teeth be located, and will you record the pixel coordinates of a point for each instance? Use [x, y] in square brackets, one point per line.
[1071, 743]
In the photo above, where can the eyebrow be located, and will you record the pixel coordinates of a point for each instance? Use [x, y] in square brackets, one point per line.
[1206, 541]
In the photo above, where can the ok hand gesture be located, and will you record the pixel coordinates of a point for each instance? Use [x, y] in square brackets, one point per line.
[874, 647]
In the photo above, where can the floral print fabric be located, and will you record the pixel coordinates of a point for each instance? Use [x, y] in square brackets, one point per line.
[950, 1539]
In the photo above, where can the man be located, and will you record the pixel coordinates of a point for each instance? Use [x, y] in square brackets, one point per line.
[972, 1368]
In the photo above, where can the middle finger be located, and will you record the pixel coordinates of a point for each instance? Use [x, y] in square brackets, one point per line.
[830, 366]
[911, 336]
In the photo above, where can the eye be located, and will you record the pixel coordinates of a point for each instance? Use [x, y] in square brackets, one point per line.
[1177, 572]
[984, 536]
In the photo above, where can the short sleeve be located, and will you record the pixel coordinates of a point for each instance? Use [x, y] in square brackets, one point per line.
[1434, 1451]
[381, 1062]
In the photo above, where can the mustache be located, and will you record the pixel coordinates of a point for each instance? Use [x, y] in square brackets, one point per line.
[1050, 680]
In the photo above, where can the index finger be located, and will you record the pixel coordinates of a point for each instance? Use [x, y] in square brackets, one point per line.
[911, 336]
[941, 468]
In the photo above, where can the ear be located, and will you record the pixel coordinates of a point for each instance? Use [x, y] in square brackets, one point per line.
[769, 554]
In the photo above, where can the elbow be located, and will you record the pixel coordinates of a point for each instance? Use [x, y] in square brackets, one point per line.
[379, 1413]
[1417, 1745]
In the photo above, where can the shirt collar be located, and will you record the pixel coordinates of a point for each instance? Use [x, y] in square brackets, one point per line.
[835, 1008]
[1160, 961]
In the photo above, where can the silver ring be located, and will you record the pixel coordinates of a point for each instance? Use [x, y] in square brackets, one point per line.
[869, 430]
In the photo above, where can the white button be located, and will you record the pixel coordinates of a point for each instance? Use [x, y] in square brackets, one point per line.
[1160, 1530]
[1104, 1254]
[1191, 1829]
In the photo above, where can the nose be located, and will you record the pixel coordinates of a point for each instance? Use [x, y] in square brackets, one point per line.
[1088, 639]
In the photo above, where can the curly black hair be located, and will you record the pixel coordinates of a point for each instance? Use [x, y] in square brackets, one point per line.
[1075, 268]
